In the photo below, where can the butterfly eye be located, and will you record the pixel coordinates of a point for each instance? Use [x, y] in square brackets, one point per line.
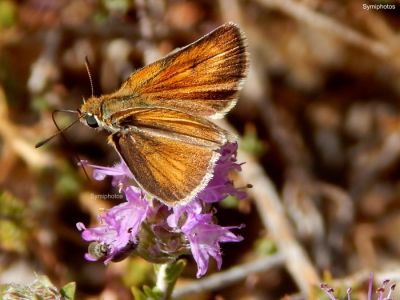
[91, 121]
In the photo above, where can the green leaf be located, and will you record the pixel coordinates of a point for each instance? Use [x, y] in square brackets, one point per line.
[138, 294]
[137, 272]
[230, 202]
[8, 12]
[68, 184]
[39, 104]
[251, 143]
[174, 270]
[68, 290]
[152, 293]
[39, 289]
[121, 6]
[265, 246]
[14, 230]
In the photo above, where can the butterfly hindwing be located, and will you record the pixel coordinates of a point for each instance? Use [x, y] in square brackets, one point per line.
[170, 153]
[171, 170]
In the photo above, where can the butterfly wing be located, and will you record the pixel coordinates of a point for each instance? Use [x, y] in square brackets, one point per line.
[170, 153]
[202, 79]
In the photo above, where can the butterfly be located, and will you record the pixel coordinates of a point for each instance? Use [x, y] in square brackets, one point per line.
[160, 119]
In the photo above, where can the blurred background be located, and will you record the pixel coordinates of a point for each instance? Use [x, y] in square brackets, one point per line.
[319, 121]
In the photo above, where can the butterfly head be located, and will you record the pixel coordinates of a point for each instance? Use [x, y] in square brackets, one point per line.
[90, 113]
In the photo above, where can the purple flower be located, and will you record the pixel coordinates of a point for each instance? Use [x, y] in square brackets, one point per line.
[119, 226]
[204, 238]
[220, 186]
[120, 173]
[381, 291]
[160, 232]
[192, 208]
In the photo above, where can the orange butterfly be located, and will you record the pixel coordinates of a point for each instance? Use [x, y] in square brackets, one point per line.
[160, 117]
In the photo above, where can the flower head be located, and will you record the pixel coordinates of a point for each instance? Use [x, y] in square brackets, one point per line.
[220, 186]
[384, 292]
[120, 173]
[158, 232]
[204, 238]
[119, 226]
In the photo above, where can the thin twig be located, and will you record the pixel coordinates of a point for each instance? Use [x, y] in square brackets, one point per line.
[273, 216]
[304, 14]
[44, 69]
[150, 52]
[364, 174]
[268, 202]
[13, 138]
[229, 277]
[275, 220]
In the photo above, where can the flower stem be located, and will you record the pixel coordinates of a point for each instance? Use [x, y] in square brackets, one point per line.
[167, 275]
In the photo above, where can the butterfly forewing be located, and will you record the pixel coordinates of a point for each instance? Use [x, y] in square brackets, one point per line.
[202, 78]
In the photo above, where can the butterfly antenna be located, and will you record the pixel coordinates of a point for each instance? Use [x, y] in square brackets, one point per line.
[41, 143]
[87, 65]
[61, 132]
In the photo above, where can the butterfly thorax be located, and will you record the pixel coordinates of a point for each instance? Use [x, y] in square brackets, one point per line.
[119, 102]
[92, 106]
[99, 113]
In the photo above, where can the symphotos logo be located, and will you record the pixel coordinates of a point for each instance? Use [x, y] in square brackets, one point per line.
[378, 6]
[107, 196]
